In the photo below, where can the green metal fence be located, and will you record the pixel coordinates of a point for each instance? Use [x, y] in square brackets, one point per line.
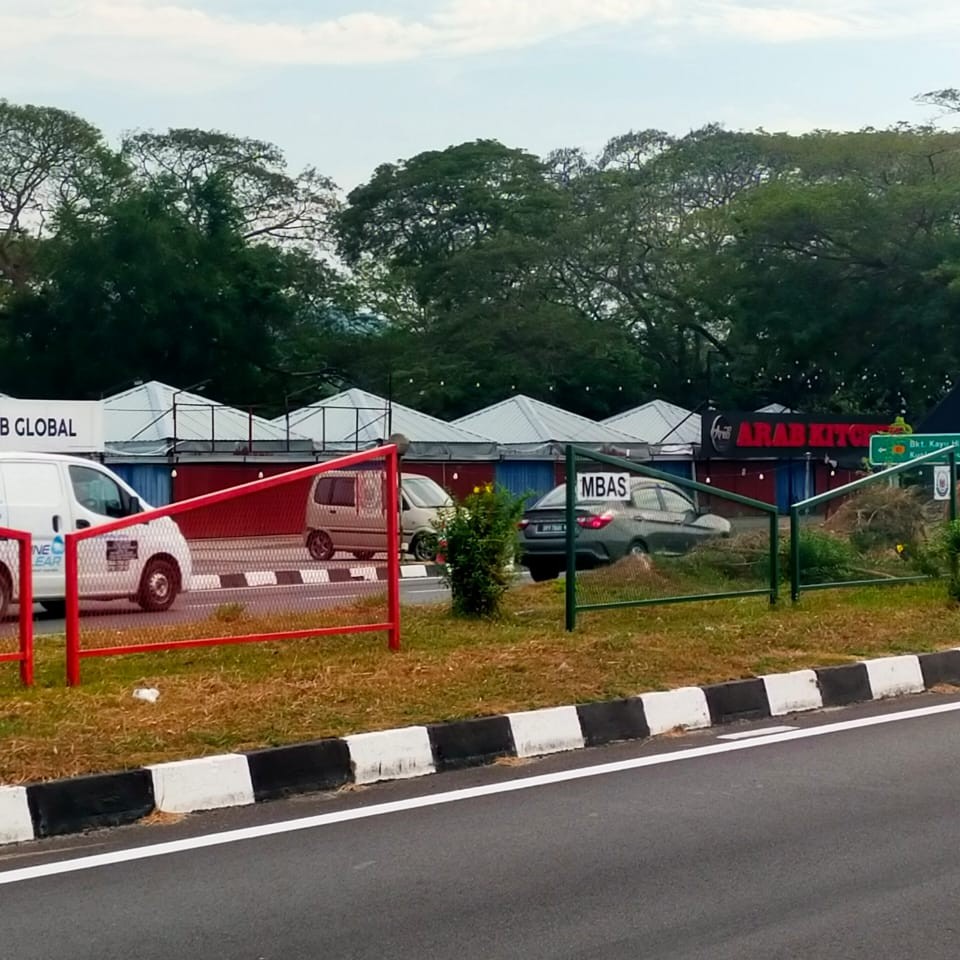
[798, 510]
[587, 590]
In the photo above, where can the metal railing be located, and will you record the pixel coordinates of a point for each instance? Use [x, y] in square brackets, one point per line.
[946, 455]
[572, 606]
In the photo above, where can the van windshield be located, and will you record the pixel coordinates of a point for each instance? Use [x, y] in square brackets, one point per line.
[423, 492]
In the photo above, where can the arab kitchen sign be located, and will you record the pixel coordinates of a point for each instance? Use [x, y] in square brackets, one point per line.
[51, 426]
[737, 436]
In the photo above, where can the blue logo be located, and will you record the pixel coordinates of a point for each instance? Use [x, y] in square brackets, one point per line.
[57, 546]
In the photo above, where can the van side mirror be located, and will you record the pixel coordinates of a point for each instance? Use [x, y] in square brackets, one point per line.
[134, 506]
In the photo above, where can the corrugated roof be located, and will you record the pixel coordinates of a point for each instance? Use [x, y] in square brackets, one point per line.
[145, 413]
[522, 419]
[659, 422]
[774, 408]
[358, 417]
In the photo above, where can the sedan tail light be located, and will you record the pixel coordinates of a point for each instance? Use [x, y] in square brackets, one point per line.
[595, 521]
[523, 524]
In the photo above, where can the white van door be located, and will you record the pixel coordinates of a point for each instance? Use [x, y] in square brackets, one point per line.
[35, 501]
[109, 566]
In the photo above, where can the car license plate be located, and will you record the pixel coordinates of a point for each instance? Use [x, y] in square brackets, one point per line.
[553, 528]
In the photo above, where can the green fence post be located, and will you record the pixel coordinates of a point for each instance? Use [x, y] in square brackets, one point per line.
[774, 558]
[794, 554]
[571, 524]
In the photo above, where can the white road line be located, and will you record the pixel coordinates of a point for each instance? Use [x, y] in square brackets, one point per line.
[453, 796]
[760, 732]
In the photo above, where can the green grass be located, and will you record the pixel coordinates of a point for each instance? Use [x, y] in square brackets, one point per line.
[241, 697]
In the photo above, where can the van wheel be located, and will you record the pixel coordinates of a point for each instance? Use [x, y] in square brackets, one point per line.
[363, 554]
[424, 548]
[320, 545]
[159, 586]
[6, 592]
[56, 608]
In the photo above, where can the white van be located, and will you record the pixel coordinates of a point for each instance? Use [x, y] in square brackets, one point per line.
[48, 495]
[346, 512]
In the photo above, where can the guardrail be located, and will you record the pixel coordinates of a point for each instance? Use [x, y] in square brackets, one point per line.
[130, 554]
[573, 607]
[24, 597]
[948, 455]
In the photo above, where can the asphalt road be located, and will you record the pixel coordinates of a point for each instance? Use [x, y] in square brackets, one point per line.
[839, 845]
[256, 601]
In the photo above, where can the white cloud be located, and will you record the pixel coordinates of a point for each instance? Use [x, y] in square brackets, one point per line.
[110, 37]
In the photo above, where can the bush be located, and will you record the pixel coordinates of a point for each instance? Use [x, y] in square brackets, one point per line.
[480, 545]
[881, 517]
[824, 557]
[743, 556]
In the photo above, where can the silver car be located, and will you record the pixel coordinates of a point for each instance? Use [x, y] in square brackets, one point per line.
[658, 518]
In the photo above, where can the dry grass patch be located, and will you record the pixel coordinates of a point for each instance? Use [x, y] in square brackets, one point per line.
[214, 700]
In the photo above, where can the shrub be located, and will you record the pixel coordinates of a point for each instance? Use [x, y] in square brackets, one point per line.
[824, 557]
[743, 556]
[881, 517]
[480, 545]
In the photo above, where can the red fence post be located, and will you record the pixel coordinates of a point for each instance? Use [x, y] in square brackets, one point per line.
[26, 611]
[71, 573]
[393, 548]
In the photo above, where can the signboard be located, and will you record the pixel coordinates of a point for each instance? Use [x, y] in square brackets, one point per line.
[738, 436]
[603, 486]
[941, 483]
[899, 449]
[51, 426]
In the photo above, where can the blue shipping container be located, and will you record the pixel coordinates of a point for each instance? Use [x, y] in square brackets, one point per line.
[526, 477]
[152, 481]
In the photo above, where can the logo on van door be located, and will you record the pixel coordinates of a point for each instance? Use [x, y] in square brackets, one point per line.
[48, 556]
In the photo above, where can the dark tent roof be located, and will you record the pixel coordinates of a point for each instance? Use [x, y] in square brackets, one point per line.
[944, 417]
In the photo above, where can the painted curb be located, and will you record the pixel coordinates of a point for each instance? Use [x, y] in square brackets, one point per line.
[203, 582]
[77, 804]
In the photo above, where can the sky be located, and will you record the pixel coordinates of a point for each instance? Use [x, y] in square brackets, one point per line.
[344, 85]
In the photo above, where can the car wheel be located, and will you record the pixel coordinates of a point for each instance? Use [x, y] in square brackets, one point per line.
[638, 549]
[320, 545]
[424, 548]
[363, 554]
[56, 608]
[540, 571]
[159, 586]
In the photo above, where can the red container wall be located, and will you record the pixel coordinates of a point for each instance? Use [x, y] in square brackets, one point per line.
[753, 478]
[276, 512]
[458, 478]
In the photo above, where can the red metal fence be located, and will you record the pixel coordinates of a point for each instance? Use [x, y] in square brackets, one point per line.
[308, 553]
[16, 584]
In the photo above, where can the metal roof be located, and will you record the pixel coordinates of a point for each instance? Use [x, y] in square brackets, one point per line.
[358, 417]
[659, 422]
[521, 419]
[775, 408]
[145, 413]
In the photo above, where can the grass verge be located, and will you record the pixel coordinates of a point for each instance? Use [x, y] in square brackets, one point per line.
[235, 698]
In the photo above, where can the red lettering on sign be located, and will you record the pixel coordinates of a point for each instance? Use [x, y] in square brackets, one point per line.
[859, 435]
[820, 435]
[745, 436]
[798, 435]
[762, 434]
[841, 431]
[781, 436]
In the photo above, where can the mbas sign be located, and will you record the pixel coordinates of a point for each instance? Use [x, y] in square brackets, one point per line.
[603, 486]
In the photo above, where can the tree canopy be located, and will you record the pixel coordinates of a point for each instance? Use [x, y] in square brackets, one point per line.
[821, 271]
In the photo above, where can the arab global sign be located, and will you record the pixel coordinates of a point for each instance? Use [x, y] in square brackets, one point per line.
[891, 448]
[738, 436]
[51, 426]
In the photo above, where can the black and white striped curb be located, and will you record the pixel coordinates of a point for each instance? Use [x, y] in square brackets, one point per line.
[82, 803]
[315, 575]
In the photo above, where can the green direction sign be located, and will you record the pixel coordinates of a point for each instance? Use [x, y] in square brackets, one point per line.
[887, 448]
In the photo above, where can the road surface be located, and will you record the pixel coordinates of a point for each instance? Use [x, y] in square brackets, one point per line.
[842, 844]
